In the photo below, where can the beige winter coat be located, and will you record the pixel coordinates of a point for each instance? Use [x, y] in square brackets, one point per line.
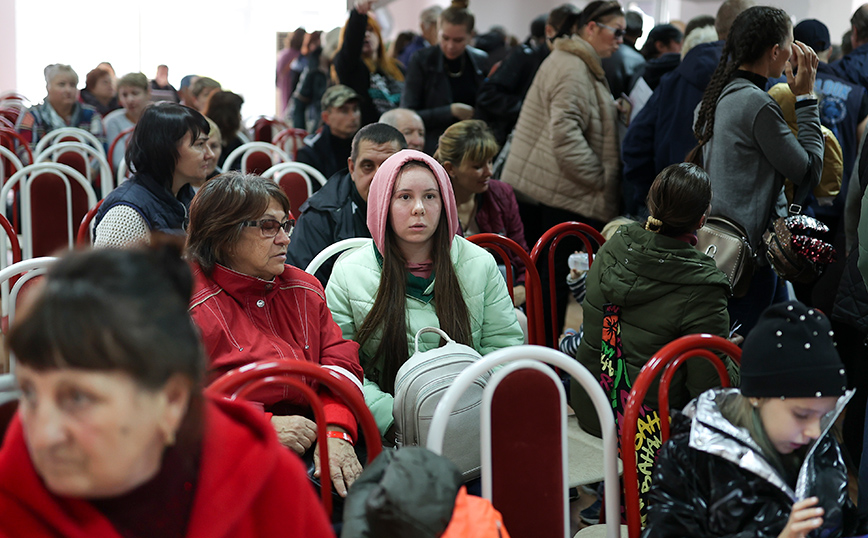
[565, 146]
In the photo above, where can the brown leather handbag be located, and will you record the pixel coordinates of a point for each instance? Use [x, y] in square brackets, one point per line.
[725, 241]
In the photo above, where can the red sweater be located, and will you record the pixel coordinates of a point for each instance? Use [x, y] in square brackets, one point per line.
[245, 319]
[248, 486]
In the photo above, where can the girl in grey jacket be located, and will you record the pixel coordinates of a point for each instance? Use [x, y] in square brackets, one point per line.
[747, 147]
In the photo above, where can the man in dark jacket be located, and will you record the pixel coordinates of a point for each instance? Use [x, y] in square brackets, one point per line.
[329, 149]
[428, 88]
[662, 133]
[501, 95]
[338, 211]
[854, 66]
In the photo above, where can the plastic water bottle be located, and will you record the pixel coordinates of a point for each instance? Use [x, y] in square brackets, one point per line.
[578, 261]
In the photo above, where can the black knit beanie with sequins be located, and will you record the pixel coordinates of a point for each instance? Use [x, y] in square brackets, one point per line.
[791, 353]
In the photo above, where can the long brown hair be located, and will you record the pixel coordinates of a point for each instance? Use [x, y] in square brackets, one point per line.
[389, 311]
[385, 62]
[753, 32]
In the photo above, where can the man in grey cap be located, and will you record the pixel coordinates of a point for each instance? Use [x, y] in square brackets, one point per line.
[329, 149]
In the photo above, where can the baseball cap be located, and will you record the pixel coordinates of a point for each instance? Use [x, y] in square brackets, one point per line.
[337, 95]
[813, 33]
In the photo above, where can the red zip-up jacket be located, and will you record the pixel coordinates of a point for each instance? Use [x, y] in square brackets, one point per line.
[244, 319]
[247, 486]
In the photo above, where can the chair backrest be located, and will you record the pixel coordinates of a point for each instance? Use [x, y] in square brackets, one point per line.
[667, 360]
[67, 134]
[290, 140]
[296, 375]
[333, 250]
[12, 140]
[13, 106]
[116, 143]
[265, 129]
[123, 172]
[84, 237]
[502, 246]
[523, 435]
[9, 164]
[296, 180]
[51, 194]
[256, 157]
[81, 157]
[15, 247]
[549, 243]
[17, 275]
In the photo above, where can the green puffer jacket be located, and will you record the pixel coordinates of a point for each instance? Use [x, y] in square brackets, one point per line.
[666, 289]
[352, 288]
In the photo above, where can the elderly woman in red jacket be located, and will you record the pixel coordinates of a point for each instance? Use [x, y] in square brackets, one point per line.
[250, 305]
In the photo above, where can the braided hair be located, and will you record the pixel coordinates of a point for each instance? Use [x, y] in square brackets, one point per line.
[753, 32]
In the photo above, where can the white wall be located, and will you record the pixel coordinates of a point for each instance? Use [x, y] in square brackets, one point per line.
[233, 41]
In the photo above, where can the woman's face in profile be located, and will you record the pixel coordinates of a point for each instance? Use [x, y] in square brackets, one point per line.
[261, 252]
[92, 434]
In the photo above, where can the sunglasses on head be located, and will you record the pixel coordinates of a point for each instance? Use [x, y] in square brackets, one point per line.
[269, 227]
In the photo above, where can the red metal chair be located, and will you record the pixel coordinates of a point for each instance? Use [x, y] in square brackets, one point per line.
[667, 360]
[296, 180]
[10, 139]
[523, 434]
[256, 157]
[53, 198]
[242, 381]
[123, 134]
[550, 241]
[9, 163]
[535, 315]
[290, 140]
[84, 237]
[266, 128]
[84, 158]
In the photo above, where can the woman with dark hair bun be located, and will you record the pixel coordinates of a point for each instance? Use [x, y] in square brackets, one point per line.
[665, 289]
[113, 437]
[168, 150]
[745, 143]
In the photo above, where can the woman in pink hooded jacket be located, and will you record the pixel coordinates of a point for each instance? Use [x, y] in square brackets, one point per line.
[382, 293]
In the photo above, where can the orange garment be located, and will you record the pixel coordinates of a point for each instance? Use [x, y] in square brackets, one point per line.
[474, 517]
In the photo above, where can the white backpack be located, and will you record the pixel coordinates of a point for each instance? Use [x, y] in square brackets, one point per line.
[419, 385]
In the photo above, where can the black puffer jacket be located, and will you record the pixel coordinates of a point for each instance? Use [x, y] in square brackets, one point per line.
[711, 479]
[501, 95]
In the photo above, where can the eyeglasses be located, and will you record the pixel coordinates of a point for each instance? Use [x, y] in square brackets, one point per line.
[269, 227]
[618, 32]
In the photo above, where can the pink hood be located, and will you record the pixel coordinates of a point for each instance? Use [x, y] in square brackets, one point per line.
[383, 184]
